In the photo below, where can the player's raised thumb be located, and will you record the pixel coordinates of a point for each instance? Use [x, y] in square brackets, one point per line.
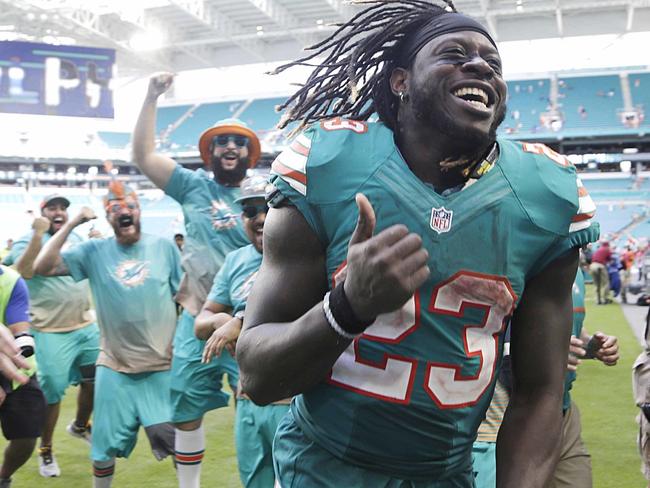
[366, 221]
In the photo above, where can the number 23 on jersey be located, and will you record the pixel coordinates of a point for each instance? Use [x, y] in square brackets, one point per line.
[392, 379]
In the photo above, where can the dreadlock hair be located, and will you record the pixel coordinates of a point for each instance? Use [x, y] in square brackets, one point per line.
[354, 79]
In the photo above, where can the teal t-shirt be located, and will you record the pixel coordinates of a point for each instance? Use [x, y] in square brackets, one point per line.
[578, 320]
[214, 228]
[234, 281]
[407, 397]
[58, 303]
[133, 288]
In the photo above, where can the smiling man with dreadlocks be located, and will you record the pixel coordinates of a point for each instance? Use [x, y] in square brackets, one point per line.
[395, 256]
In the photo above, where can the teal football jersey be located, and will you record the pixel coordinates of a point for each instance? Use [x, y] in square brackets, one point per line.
[406, 398]
[214, 228]
[578, 320]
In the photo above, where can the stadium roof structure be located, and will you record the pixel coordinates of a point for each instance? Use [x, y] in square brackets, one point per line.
[192, 34]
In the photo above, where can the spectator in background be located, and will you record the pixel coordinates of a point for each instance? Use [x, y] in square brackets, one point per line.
[598, 271]
[179, 239]
[22, 404]
[6, 250]
[134, 277]
[65, 331]
[214, 226]
[627, 262]
[641, 391]
[220, 323]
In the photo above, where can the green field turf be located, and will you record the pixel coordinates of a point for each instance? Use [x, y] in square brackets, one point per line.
[604, 396]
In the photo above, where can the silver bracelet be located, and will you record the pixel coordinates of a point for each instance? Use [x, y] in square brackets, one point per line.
[239, 315]
[332, 321]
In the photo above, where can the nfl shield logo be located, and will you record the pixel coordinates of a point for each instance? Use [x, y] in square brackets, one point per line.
[441, 219]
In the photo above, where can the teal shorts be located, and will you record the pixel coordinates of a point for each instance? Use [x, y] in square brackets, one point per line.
[196, 388]
[65, 358]
[299, 462]
[484, 459]
[254, 432]
[123, 403]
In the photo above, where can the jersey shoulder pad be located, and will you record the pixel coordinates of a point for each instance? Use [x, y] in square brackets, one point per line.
[547, 186]
[330, 161]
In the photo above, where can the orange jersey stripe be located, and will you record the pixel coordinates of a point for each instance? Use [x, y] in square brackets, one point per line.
[188, 459]
[283, 170]
[581, 217]
[582, 191]
[579, 310]
[299, 148]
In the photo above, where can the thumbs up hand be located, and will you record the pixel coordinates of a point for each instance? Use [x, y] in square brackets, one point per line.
[383, 270]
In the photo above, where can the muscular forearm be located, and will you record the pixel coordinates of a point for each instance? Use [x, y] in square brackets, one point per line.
[144, 133]
[528, 439]
[288, 359]
[207, 322]
[49, 259]
[25, 263]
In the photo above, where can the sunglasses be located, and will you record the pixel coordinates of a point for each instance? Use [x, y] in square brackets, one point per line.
[224, 140]
[251, 211]
[116, 207]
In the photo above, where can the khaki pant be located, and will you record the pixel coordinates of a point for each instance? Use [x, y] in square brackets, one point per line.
[574, 467]
[641, 387]
[601, 279]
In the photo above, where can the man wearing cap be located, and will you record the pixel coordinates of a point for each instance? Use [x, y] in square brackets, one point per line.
[134, 278]
[220, 322]
[64, 328]
[214, 228]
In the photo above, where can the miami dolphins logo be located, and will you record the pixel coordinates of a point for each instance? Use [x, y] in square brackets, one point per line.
[246, 287]
[132, 273]
[222, 216]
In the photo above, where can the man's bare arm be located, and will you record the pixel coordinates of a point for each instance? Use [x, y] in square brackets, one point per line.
[155, 166]
[287, 345]
[25, 263]
[212, 316]
[49, 261]
[541, 328]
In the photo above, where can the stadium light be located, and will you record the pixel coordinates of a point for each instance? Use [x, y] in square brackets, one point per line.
[626, 166]
[93, 170]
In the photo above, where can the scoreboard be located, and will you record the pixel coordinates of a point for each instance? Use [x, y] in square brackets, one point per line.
[45, 79]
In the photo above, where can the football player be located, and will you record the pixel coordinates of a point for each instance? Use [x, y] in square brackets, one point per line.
[397, 252]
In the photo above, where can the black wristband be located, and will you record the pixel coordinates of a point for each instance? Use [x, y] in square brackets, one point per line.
[343, 313]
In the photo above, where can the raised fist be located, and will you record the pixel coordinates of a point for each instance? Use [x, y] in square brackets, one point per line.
[159, 83]
[41, 225]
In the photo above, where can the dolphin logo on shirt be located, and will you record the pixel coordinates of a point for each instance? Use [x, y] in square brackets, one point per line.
[223, 217]
[132, 273]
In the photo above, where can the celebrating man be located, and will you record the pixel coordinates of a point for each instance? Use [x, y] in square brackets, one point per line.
[214, 228]
[397, 252]
[134, 278]
[64, 328]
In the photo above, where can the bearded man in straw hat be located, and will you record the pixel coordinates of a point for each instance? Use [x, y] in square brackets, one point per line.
[214, 229]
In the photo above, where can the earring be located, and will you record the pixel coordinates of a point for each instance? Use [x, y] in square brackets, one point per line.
[403, 97]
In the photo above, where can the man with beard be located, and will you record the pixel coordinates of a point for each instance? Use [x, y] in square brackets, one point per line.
[214, 229]
[134, 278]
[220, 323]
[395, 254]
[64, 328]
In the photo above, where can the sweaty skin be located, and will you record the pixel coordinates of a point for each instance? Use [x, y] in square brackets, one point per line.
[287, 346]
